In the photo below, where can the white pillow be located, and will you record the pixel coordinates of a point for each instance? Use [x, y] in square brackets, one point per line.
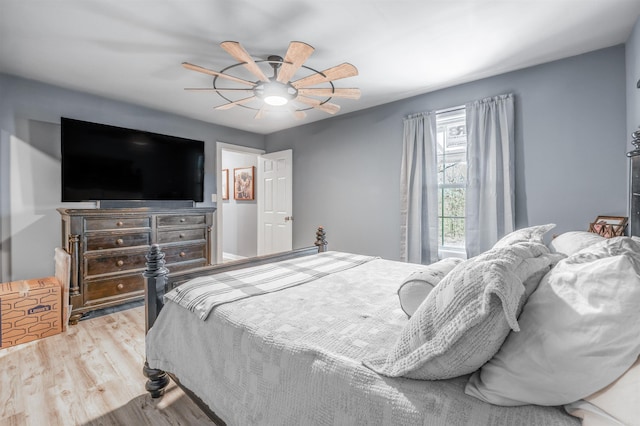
[578, 331]
[617, 404]
[467, 316]
[572, 242]
[532, 233]
[419, 284]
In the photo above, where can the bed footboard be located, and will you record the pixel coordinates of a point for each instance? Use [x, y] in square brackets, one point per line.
[159, 280]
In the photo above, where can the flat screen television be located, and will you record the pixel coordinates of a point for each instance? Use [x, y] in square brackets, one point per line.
[101, 162]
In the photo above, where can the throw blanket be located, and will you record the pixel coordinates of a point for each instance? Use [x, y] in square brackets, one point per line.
[200, 295]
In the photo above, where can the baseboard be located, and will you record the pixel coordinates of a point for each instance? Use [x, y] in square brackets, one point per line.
[229, 256]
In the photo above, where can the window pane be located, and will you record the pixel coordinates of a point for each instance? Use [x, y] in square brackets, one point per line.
[456, 136]
[453, 199]
[455, 168]
[455, 173]
[452, 232]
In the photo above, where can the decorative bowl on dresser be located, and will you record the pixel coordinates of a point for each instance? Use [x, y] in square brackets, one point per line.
[108, 247]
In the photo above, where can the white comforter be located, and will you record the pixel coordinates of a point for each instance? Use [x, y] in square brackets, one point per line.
[294, 357]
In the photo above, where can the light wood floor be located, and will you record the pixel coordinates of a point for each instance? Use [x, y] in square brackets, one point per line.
[89, 375]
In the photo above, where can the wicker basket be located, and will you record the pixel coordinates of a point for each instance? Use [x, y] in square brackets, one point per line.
[606, 229]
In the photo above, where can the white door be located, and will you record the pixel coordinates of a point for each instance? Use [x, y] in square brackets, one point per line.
[274, 199]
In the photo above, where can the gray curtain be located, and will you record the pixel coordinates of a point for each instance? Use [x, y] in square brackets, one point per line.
[490, 195]
[419, 190]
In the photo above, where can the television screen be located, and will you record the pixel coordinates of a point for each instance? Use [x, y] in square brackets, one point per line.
[101, 162]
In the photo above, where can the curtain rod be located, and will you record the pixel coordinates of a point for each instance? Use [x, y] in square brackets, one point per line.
[455, 108]
[437, 111]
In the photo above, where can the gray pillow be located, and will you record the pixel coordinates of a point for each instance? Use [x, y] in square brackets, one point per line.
[417, 286]
[532, 233]
[464, 320]
[572, 242]
[579, 331]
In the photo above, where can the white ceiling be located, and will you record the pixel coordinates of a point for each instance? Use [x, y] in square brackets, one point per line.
[132, 50]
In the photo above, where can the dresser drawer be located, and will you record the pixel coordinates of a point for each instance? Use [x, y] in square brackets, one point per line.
[176, 220]
[180, 235]
[121, 261]
[182, 253]
[113, 287]
[113, 223]
[110, 241]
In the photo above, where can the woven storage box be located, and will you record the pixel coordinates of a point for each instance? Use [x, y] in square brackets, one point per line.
[29, 310]
[607, 230]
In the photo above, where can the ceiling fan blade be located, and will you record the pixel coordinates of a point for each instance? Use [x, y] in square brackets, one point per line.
[236, 50]
[198, 68]
[339, 71]
[261, 112]
[232, 104]
[326, 107]
[328, 92]
[297, 53]
[299, 115]
[211, 89]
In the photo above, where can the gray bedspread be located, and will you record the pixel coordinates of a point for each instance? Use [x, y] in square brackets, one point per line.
[294, 357]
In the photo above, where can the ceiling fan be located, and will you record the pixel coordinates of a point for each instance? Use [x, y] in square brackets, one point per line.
[313, 90]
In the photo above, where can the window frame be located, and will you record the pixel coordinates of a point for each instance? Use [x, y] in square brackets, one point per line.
[443, 118]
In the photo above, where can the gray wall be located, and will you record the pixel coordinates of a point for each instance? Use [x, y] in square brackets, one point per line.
[240, 225]
[30, 162]
[570, 154]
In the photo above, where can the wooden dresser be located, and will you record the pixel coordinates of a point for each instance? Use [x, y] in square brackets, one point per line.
[108, 248]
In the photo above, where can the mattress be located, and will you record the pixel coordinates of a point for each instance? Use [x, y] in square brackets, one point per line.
[294, 357]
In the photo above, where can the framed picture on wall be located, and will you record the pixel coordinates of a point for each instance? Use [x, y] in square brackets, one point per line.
[225, 184]
[243, 188]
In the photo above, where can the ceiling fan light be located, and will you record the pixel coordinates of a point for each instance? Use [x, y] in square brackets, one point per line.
[274, 93]
[275, 100]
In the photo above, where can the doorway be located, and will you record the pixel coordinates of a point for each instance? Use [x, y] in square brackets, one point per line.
[236, 236]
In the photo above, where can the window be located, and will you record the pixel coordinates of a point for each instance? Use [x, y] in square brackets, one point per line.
[452, 181]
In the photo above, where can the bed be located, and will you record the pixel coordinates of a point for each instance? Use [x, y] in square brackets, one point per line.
[331, 342]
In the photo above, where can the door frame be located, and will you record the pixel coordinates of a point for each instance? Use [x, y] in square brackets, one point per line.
[223, 146]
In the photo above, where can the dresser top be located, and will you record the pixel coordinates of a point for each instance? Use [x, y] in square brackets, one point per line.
[134, 211]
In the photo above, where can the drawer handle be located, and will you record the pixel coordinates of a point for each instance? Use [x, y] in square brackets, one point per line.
[119, 241]
[183, 220]
[120, 286]
[119, 223]
[182, 254]
[120, 263]
[181, 235]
